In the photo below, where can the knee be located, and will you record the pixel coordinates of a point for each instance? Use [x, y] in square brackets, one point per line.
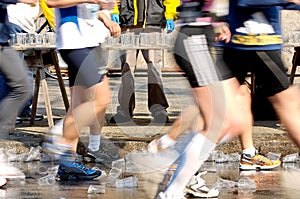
[104, 101]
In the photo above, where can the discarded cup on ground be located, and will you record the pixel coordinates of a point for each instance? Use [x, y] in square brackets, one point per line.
[294, 157]
[47, 180]
[129, 182]
[246, 185]
[273, 156]
[96, 189]
[43, 170]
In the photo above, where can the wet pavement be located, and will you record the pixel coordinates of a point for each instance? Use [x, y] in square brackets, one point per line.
[269, 184]
[122, 139]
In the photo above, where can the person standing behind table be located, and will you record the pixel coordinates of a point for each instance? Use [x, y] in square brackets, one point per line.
[144, 16]
[15, 73]
[77, 41]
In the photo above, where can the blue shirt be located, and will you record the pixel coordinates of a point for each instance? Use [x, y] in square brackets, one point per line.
[243, 39]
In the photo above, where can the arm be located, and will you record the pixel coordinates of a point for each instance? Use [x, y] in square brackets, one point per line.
[223, 32]
[294, 5]
[105, 4]
[18, 1]
[297, 2]
[113, 27]
[9, 1]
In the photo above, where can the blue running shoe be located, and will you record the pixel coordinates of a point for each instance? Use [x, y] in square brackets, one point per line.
[76, 171]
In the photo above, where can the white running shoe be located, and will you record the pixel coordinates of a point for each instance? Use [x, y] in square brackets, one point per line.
[162, 195]
[10, 172]
[197, 188]
[3, 182]
[149, 162]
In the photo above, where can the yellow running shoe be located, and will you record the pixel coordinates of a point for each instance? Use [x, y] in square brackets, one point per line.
[257, 162]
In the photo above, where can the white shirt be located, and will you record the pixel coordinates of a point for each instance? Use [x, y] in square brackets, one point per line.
[23, 15]
[89, 31]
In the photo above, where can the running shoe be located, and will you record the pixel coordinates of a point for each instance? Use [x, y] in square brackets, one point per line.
[148, 162]
[99, 156]
[197, 188]
[52, 147]
[3, 182]
[27, 117]
[9, 172]
[161, 118]
[76, 171]
[162, 195]
[257, 162]
[119, 118]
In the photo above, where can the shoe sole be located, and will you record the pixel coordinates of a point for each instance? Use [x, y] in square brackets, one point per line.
[257, 167]
[67, 176]
[202, 194]
[76, 176]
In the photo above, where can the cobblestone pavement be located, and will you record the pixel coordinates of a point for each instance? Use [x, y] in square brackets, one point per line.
[268, 136]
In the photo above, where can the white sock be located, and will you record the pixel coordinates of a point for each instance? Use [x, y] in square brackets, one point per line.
[249, 151]
[225, 139]
[191, 159]
[165, 141]
[94, 142]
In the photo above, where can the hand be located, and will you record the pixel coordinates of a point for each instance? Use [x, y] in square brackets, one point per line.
[224, 34]
[297, 2]
[170, 25]
[115, 18]
[113, 27]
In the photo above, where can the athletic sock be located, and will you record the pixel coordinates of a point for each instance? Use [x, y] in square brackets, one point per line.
[191, 159]
[165, 141]
[249, 151]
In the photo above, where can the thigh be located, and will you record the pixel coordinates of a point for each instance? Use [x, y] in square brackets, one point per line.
[195, 58]
[236, 61]
[83, 65]
[271, 72]
[12, 67]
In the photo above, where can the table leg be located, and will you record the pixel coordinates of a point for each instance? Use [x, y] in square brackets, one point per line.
[46, 98]
[35, 97]
[60, 80]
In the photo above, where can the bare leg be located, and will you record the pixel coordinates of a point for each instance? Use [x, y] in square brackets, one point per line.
[80, 115]
[246, 134]
[287, 106]
[217, 103]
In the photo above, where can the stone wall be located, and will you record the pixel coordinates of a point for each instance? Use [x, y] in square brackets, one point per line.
[289, 22]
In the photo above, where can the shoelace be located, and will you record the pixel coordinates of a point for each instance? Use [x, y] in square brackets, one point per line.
[262, 159]
[81, 166]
